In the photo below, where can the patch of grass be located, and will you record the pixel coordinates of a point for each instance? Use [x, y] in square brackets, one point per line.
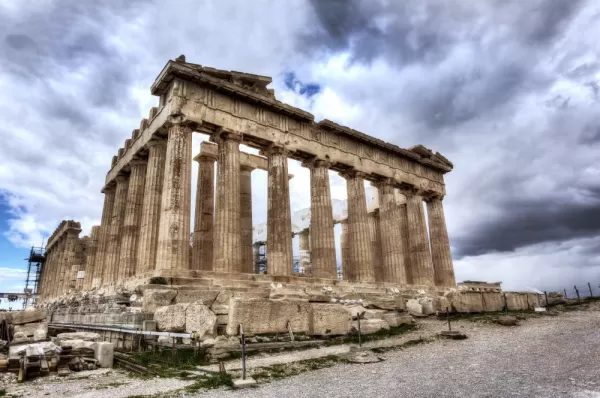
[211, 381]
[379, 335]
[106, 386]
[280, 371]
[2, 392]
[163, 363]
[409, 343]
[158, 280]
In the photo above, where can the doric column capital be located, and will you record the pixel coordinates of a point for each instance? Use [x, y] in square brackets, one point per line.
[410, 191]
[433, 196]
[223, 134]
[316, 163]
[121, 177]
[352, 173]
[138, 162]
[156, 141]
[247, 168]
[274, 149]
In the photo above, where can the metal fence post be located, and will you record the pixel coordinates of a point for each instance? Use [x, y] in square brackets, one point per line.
[448, 318]
[577, 293]
[546, 295]
[243, 353]
[358, 320]
[591, 293]
[566, 293]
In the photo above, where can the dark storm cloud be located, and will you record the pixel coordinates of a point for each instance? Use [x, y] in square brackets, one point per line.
[478, 62]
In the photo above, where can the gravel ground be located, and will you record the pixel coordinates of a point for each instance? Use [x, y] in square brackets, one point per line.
[544, 357]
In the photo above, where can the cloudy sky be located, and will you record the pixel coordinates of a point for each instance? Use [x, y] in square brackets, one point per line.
[507, 90]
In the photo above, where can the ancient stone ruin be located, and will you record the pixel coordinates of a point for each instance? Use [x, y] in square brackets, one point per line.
[139, 262]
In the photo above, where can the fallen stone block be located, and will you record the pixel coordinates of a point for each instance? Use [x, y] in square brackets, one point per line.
[77, 344]
[517, 301]
[104, 352]
[200, 320]
[389, 303]
[171, 318]
[492, 301]
[328, 319]
[155, 298]
[85, 336]
[244, 383]
[288, 294]
[22, 317]
[369, 326]
[466, 301]
[261, 316]
[373, 314]
[20, 337]
[396, 319]
[355, 311]
[206, 297]
[46, 348]
[29, 328]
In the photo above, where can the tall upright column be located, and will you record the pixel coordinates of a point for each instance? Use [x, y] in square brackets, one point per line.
[150, 221]
[90, 260]
[57, 280]
[344, 249]
[418, 242]
[443, 269]
[322, 240]
[47, 269]
[246, 217]
[404, 242]
[82, 247]
[359, 242]
[227, 249]
[113, 241]
[375, 234]
[202, 250]
[256, 253]
[394, 269]
[174, 231]
[279, 215]
[133, 216]
[71, 258]
[101, 258]
[305, 252]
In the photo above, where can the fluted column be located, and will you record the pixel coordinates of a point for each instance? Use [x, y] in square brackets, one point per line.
[174, 231]
[113, 241]
[47, 269]
[344, 248]
[279, 216]
[305, 252]
[150, 221]
[57, 278]
[90, 260]
[322, 240]
[101, 258]
[227, 249]
[81, 249]
[246, 217]
[359, 242]
[202, 250]
[71, 265]
[418, 243]
[443, 269]
[404, 242]
[375, 235]
[394, 269]
[132, 220]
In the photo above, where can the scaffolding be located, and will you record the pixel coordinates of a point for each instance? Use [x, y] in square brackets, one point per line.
[35, 262]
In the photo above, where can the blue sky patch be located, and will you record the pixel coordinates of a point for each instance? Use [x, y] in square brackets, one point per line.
[293, 83]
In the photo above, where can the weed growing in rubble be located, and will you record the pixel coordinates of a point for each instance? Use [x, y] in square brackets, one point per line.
[211, 381]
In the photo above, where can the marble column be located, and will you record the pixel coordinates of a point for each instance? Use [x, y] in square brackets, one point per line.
[392, 257]
[47, 269]
[150, 222]
[71, 265]
[256, 253]
[57, 278]
[305, 252]
[246, 218]
[443, 270]
[375, 234]
[202, 250]
[113, 241]
[90, 257]
[359, 241]
[418, 242]
[133, 216]
[322, 240]
[227, 249]
[174, 231]
[344, 249]
[404, 242]
[100, 260]
[279, 216]
[81, 249]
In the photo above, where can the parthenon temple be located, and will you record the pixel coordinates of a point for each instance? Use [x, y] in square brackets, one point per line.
[395, 247]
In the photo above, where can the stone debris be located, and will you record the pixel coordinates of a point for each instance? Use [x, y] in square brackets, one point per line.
[370, 326]
[507, 320]
[171, 318]
[201, 320]
[395, 319]
[361, 355]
